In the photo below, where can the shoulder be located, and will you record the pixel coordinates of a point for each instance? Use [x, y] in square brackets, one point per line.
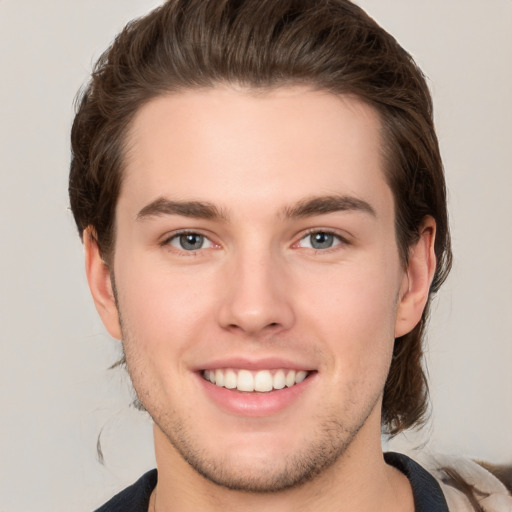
[466, 485]
[134, 498]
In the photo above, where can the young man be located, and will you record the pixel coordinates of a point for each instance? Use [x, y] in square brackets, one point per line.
[261, 198]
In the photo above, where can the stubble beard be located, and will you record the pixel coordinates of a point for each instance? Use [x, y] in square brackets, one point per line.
[326, 445]
[317, 453]
[330, 442]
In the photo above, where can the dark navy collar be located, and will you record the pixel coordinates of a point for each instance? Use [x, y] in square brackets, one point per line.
[428, 496]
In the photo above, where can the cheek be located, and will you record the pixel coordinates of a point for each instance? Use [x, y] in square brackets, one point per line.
[362, 300]
[355, 316]
[161, 309]
[160, 317]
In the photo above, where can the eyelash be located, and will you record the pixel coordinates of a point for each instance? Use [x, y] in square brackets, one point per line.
[338, 240]
[167, 242]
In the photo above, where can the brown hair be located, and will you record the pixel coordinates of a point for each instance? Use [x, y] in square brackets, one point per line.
[330, 44]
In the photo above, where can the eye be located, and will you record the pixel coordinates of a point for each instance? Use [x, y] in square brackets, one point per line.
[189, 242]
[319, 240]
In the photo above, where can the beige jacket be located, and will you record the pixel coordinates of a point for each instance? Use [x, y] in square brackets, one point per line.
[467, 486]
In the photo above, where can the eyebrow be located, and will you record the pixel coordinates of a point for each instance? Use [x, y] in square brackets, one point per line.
[196, 209]
[306, 208]
[328, 204]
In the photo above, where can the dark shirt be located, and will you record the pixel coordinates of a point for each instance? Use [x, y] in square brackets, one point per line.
[134, 498]
[427, 493]
[428, 496]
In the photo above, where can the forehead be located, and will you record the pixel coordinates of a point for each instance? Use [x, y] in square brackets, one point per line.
[229, 145]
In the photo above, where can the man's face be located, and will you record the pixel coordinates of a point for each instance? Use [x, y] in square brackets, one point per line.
[255, 247]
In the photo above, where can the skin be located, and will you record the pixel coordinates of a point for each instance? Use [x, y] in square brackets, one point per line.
[257, 289]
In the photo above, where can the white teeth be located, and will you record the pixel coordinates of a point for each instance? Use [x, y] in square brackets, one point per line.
[261, 381]
[219, 377]
[290, 379]
[230, 379]
[300, 376]
[245, 381]
[279, 380]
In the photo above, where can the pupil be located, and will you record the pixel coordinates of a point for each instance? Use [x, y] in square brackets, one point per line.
[321, 240]
[191, 241]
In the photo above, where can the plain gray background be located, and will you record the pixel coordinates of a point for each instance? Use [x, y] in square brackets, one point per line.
[56, 394]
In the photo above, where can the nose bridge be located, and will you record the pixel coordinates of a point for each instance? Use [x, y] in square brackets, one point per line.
[255, 297]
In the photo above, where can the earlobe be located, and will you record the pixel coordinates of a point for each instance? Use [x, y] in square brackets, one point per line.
[417, 279]
[100, 284]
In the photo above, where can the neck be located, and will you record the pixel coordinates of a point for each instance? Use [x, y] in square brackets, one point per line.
[359, 481]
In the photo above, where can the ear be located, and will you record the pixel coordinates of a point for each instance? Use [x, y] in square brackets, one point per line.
[100, 284]
[417, 279]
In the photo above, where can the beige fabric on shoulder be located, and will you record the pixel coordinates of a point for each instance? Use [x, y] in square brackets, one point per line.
[466, 483]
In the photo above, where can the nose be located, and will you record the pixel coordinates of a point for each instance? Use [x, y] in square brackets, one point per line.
[255, 299]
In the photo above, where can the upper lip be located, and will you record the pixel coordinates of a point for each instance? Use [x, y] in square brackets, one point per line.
[268, 363]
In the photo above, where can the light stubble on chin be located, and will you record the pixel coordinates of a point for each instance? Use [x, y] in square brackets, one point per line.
[330, 442]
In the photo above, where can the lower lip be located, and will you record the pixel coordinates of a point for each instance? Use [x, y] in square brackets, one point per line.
[254, 404]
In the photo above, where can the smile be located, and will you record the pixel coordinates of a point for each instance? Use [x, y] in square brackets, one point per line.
[261, 381]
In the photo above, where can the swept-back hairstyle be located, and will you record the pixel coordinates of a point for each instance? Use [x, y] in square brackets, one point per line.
[330, 45]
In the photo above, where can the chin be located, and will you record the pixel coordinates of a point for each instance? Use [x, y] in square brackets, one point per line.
[261, 464]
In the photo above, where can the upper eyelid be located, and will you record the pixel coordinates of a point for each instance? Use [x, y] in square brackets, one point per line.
[342, 241]
[173, 234]
[344, 236]
[167, 243]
